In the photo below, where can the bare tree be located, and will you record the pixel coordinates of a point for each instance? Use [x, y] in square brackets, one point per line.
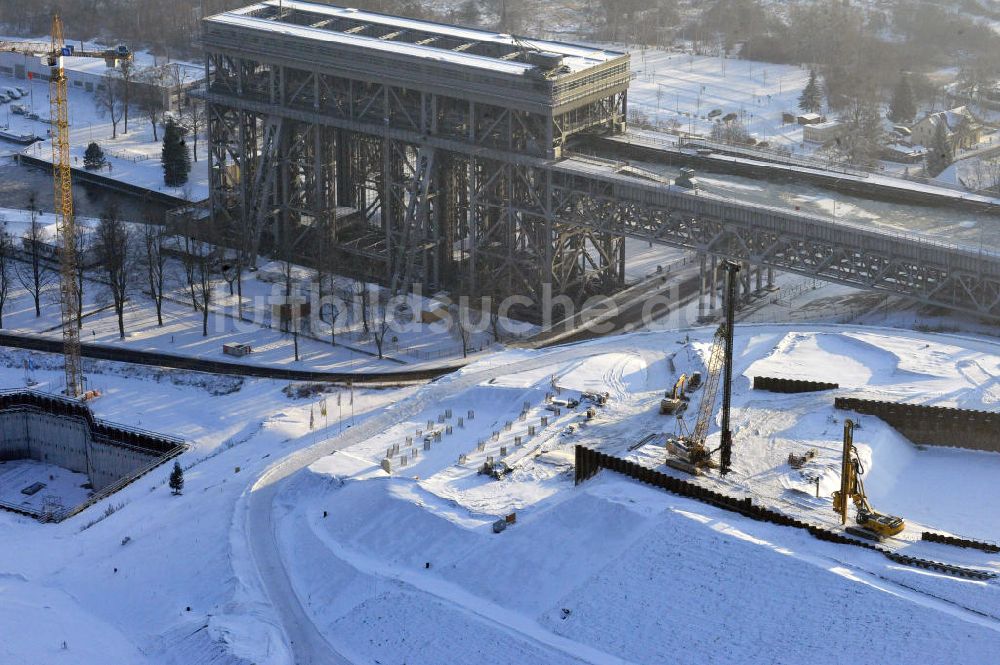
[33, 274]
[364, 299]
[108, 99]
[206, 282]
[149, 97]
[198, 259]
[194, 121]
[6, 267]
[291, 307]
[127, 74]
[326, 261]
[81, 242]
[382, 326]
[154, 261]
[115, 247]
[461, 328]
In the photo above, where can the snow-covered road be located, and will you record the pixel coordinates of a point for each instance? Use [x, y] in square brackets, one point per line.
[305, 641]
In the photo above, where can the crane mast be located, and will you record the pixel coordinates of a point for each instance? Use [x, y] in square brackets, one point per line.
[65, 222]
[62, 179]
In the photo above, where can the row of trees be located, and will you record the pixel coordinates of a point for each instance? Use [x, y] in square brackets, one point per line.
[123, 261]
[114, 254]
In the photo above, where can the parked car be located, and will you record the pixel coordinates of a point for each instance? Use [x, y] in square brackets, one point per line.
[19, 109]
[4, 98]
[12, 93]
[24, 93]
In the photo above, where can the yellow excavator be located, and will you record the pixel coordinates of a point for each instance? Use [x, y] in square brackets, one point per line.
[676, 400]
[873, 524]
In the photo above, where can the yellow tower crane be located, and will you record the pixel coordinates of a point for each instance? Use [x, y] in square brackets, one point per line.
[55, 52]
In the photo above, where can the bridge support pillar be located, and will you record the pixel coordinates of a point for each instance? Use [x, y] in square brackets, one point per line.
[760, 279]
[702, 285]
[714, 284]
[745, 281]
[770, 279]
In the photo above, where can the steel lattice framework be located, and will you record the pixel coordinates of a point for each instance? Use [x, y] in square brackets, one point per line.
[438, 135]
[451, 144]
[868, 257]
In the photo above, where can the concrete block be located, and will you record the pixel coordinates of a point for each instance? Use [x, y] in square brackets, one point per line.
[471, 415]
[427, 445]
[503, 451]
[387, 465]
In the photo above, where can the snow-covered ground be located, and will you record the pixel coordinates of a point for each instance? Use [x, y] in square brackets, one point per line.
[291, 544]
[133, 158]
[679, 90]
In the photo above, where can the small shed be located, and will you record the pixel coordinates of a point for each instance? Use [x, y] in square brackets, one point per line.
[822, 132]
[809, 119]
[237, 349]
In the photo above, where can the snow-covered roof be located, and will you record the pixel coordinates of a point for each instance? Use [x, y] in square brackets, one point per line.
[952, 118]
[395, 34]
[829, 124]
[97, 66]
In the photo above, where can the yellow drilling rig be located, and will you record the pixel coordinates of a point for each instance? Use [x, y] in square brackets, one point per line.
[871, 523]
[55, 52]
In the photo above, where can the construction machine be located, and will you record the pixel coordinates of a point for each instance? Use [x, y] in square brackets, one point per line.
[871, 523]
[675, 401]
[688, 452]
[54, 52]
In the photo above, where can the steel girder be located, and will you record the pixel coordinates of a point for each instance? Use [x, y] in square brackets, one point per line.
[934, 273]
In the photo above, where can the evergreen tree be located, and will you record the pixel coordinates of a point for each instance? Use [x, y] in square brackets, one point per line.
[940, 153]
[903, 107]
[177, 479]
[93, 158]
[811, 99]
[175, 156]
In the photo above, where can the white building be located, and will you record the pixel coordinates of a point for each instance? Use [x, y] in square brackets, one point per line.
[174, 80]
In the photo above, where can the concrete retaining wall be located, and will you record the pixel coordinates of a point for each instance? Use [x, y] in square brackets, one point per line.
[67, 442]
[933, 425]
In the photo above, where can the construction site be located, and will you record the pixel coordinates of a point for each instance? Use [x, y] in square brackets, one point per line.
[583, 497]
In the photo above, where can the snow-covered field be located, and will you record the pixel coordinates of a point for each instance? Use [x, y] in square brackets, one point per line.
[133, 158]
[674, 89]
[293, 545]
